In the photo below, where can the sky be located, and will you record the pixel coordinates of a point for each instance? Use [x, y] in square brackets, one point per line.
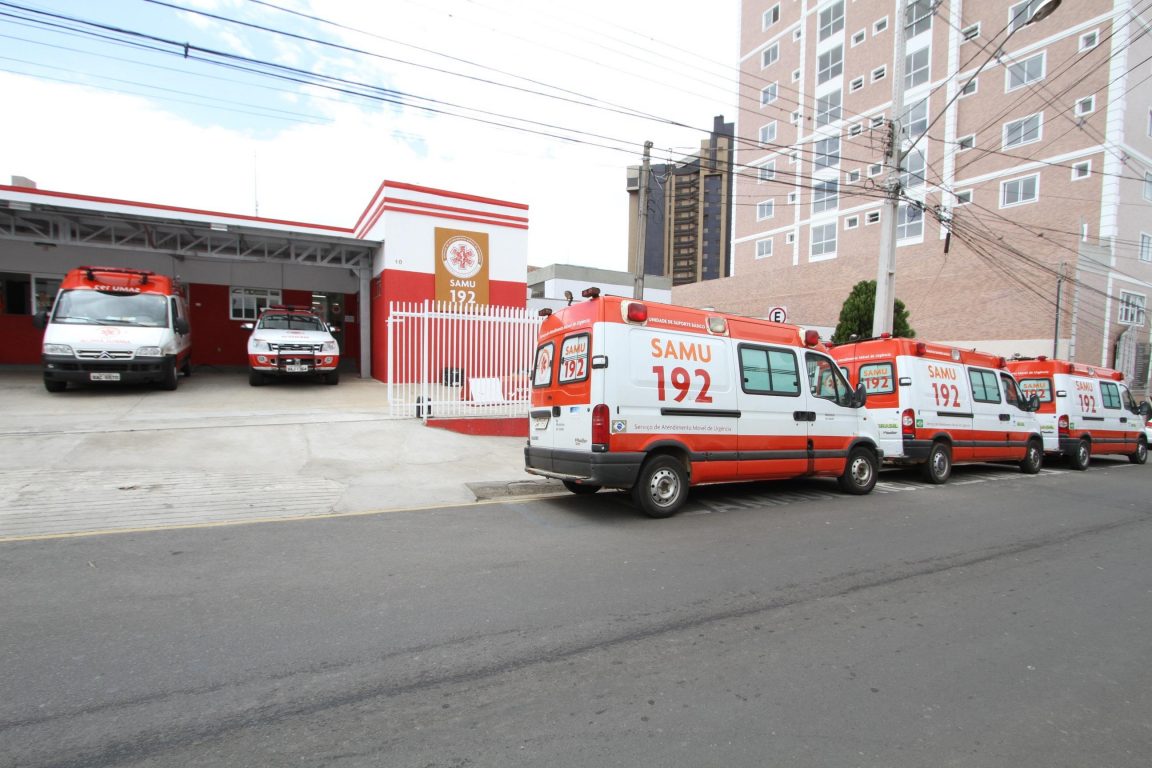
[301, 118]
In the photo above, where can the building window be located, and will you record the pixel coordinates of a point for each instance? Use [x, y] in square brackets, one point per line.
[795, 75]
[965, 143]
[825, 196]
[1020, 13]
[793, 197]
[1148, 186]
[970, 87]
[858, 38]
[830, 64]
[765, 209]
[768, 133]
[909, 221]
[764, 248]
[795, 117]
[854, 176]
[766, 172]
[790, 238]
[916, 67]
[879, 73]
[1089, 40]
[964, 197]
[1023, 72]
[827, 153]
[1081, 170]
[771, 16]
[24, 294]
[831, 20]
[828, 108]
[918, 16]
[852, 222]
[1131, 309]
[823, 239]
[1086, 105]
[856, 84]
[770, 55]
[914, 121]
[872, 217]
[1019, 191]
[878, 120]
[875, 169]
[247, 303]
[971, 32]
[1023, 131]
[856, 129]
[768, 93]
[880, 25]
[1145, 247]
[914, 169]
[797, 33]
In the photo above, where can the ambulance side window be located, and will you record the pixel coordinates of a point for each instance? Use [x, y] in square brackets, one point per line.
[542, 369]
[1126, 397]
[1011, 396]
[877, 378]
[984, 386]
[826, 380]
[574, 358]
[1040, 387]
[1110, 395]
[769, 371]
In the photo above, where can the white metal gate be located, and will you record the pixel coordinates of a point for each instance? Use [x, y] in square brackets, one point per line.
[459, 359]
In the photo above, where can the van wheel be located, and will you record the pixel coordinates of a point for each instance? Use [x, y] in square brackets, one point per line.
[581, 489]
[52, 385]
[1141, 454]
[860, 472]
[661, 488]
[938, 468]
[168, 380]
[255, 378]
[1033, 458]
[1082, 456]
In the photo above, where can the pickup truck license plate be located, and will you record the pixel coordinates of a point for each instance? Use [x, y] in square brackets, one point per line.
[296, 368]
[104, 377]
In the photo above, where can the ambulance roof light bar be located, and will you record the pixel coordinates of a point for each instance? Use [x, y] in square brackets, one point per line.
[634, 312]
[143, 274]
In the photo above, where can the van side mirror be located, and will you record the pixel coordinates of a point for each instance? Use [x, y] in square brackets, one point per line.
[1145, 410]
[180, 326]
[1032, 404]
[40, 319]
[860, 396]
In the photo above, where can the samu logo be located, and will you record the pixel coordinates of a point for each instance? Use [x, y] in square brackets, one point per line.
[462, 257]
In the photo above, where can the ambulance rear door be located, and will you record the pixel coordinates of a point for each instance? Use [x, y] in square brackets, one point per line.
[942, 401]
[561, 413]
[880, 378]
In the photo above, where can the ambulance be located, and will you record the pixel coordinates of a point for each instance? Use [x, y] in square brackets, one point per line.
[937, 405]
[1084, 410]
[293, 342]
[111, 324]
[656, 398]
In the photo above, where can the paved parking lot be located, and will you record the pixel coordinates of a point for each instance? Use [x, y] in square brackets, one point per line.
[217, 450]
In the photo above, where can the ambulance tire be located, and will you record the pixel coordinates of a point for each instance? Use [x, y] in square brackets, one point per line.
[1141, 454]
[661, 487]
[860, 472]
[187, 368]
[938, 468]
[581, 489]
[1082, 456]
[169, 380]
[52, 385]
[1033, 459]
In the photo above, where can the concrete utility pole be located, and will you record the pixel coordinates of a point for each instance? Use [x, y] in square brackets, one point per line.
[642, 222]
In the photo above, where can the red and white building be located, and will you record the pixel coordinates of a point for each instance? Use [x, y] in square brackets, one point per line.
[409, 244]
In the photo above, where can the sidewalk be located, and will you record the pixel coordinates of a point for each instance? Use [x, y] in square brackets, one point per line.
[218, 450]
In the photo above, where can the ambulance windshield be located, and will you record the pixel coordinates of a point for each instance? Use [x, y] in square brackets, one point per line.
[88, 307]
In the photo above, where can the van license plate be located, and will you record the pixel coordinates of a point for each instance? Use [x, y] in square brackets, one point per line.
[296, 368]
[104, 377]
[540, 423]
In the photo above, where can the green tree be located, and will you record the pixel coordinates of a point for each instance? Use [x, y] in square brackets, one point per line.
[856, 315]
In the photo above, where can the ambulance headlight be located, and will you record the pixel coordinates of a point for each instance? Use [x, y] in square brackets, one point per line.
[148, 352]
[57, 349]
[330, 346]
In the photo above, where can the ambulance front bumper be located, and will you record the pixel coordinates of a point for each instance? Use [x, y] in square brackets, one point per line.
[129, 370]
[608, 470]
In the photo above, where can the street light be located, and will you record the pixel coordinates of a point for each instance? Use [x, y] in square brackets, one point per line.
[886, 269]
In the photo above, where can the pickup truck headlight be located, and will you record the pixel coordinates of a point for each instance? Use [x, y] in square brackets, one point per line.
[330, 346]
[256, 345]
[57, 349]
[148, 352]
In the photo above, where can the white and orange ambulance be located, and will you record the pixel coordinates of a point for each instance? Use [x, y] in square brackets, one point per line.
[294, 342]
[1084, 410]
[937, 405]
[655, 398]
[112, 324]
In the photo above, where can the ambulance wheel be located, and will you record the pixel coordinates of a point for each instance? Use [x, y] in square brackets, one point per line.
[1082, 456]
[255, 378]
[52, 385]
[581, 489]
[168, 380]
[1033, 459]
[860, 472]
[187, 369]
[938, 468]
[1141, 454]
[661, 488]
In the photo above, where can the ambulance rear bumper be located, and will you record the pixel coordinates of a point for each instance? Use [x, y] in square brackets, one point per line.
[608, 470]
[916, 450]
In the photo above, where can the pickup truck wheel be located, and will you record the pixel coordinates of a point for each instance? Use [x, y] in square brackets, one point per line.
[938, 468]
[1141, 454]
[1033, 458]
[1082, 456]
[332, 378]
[168, 380]
[860, 472]
[661, 488]
[581, 489]
[255, 378]
[52, 385]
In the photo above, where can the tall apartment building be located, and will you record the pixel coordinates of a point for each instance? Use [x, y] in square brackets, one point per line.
[1025, 222]
[688, 235]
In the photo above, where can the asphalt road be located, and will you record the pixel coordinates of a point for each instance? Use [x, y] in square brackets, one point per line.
[1002, 620]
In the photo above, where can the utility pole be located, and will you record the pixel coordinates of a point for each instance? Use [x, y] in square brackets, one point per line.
[642, 222]
[1056, 330]
[893, 160]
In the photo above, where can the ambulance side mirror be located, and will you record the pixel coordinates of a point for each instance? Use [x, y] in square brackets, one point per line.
[1032, 404]
[1145, 410]
[860, 396]
[180, 326]
[40, 320]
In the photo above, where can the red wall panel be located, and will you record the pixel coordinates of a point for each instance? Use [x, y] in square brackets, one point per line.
[21, 340]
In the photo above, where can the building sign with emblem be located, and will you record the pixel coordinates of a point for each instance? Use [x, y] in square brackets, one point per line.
[461, 266]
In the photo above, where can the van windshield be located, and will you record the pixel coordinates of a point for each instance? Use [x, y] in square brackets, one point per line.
[88, 307]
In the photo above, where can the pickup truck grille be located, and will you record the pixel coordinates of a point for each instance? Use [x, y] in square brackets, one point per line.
[311, 349]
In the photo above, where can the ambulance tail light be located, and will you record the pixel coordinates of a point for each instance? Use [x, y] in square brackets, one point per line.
[1062, 424]
[908, 423]
[600, 427]
[635, 312]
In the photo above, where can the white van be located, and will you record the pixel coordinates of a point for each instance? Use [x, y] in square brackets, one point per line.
[111, 324]
[654, 398]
